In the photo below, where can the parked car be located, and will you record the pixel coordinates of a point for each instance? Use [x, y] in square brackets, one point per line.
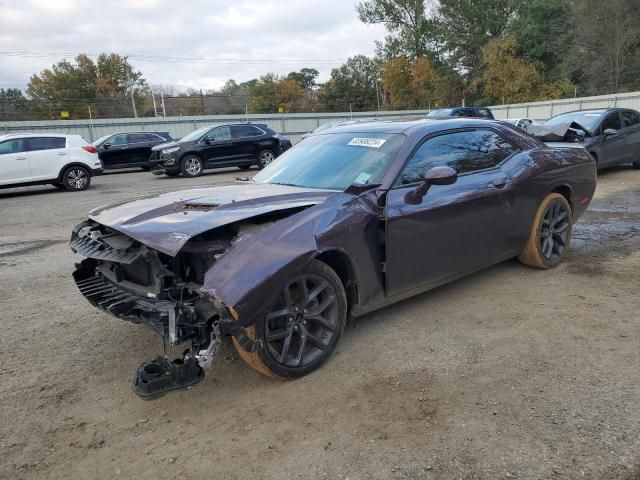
[66, 161]
[229, 145]
[342, 224]
[522, 123]
[327, 126]
[611, 135]
[469, 112]
[129, 149]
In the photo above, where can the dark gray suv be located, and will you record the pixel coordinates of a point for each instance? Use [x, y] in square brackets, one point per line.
[611, 135]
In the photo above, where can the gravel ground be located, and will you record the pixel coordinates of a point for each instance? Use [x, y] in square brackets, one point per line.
[509, 373]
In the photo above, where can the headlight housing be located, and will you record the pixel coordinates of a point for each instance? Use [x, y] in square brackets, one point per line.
[166, 151]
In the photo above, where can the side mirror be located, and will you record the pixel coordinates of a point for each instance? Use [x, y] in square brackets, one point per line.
[609, 132]
[106, 146]
[434, 176]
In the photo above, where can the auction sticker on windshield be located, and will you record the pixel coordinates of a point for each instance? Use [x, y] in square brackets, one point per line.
[367, 142]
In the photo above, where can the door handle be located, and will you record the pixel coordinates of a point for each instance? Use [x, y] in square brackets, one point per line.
[499, 182]
[21, 158]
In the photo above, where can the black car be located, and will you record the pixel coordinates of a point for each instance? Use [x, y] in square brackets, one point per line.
[611, 135]
[229, 145]
[129, 149]
[469, 112]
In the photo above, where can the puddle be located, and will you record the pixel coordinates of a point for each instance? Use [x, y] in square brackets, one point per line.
[24, 247]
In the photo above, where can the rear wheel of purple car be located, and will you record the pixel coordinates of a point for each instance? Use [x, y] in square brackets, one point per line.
[550, 233]
[301, 329]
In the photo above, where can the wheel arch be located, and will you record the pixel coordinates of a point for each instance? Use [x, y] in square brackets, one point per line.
[567, 192]
[74, 164]
[339, 262]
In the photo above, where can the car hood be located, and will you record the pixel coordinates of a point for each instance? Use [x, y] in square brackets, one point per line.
[166, 222]
[167, 144]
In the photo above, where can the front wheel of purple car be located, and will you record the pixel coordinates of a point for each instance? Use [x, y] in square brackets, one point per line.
[302, 327]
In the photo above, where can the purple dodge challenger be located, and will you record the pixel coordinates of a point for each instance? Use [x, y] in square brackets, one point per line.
[349, 221]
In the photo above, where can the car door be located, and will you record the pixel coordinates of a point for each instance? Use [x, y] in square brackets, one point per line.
[46, 155]
[218, 147]
[455, 228]
[14, 164]
[611, 147]
[113, 151]
[138, 149]
[631, 134]
[245, 141]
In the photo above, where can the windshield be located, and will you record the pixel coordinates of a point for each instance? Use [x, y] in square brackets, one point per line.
[334, 161]
[100, 140]
[587, 120]
[443, 112]
[195, 135]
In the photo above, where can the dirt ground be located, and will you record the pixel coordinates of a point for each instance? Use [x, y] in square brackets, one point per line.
[509, 373]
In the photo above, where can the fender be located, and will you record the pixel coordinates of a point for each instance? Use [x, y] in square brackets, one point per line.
[249, 276]
[75, 164]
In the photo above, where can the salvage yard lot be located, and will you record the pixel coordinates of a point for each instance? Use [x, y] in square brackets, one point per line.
[509, 373]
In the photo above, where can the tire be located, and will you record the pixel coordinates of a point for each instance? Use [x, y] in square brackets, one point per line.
[172, 174]
[76, 179]
[265, 157]
[550, 233]
[285, 350]
[191, 166]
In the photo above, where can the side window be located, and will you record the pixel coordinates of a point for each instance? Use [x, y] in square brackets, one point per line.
[12, 146]
[244, 131]
[152, 137]
[117, 140]
[219, 134]
[484, 113]
[612, 120]
[465, 152]
[137, 138]
[46, 143]
[630, 118]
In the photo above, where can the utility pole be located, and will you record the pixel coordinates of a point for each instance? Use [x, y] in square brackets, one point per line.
[164, 113]
[133, 100]
[202, 103]
[350, 111]
[153, 99]
[91, 123]
[377, 96]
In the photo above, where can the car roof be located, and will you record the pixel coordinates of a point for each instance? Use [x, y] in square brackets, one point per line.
[423, 126]
[30, 134]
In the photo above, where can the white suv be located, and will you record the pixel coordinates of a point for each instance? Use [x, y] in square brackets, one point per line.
[66, 161]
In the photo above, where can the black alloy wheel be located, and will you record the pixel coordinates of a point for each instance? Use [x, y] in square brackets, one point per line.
[554, 231]
[302, 328]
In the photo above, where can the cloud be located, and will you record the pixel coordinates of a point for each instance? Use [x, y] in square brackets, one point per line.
[198, 44]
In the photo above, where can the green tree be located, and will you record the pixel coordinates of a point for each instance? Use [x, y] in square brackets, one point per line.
[71, 86]
[354, 83]
[306, 77]
[272, 93]
[469, 25]
[13, 104]
[607, 37]
[412, 29]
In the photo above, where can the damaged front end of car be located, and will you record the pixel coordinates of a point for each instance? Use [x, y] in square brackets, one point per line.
[136, 283]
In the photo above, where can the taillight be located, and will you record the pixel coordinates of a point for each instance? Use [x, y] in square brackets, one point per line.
[90, 148]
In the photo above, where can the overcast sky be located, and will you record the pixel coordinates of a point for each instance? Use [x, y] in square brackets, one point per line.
[209, 41]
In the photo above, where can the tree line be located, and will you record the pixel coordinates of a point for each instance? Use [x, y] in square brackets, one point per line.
[435, 54]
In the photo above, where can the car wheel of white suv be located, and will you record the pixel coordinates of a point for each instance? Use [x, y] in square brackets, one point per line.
[76, 179]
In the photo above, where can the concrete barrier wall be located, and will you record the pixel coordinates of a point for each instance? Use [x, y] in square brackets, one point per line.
[292, 124]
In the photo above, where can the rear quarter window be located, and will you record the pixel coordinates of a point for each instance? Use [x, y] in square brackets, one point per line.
[46, 143]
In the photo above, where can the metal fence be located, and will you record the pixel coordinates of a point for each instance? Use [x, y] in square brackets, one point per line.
[295, 124]
[291, 124]
[547, 109]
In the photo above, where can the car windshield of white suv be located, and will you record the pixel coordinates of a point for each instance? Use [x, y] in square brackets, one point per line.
[334, 161]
